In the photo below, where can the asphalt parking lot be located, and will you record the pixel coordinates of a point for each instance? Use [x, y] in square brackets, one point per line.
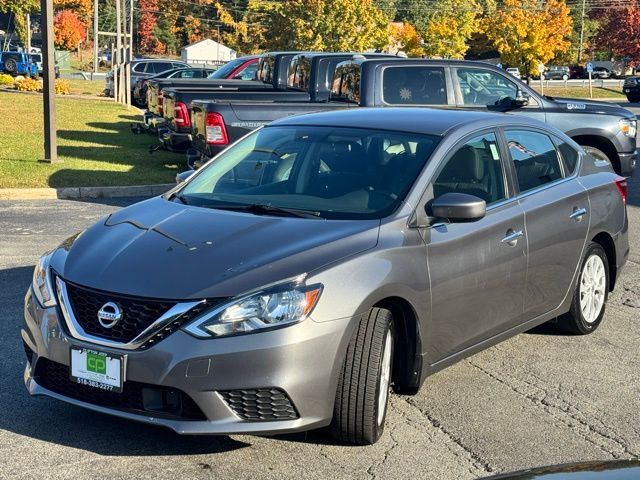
[539, 398]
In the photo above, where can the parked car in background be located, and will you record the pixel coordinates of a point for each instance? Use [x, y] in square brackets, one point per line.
[631, 88]
[241, 68]
[557, 73]
[321, 261]
[577, 71]
[144, 68]
[18, 63]
[515, 72]
[37, 59]
[140, 87]
[601, 72]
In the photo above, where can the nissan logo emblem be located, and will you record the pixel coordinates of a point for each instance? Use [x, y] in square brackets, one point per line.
[109, 314]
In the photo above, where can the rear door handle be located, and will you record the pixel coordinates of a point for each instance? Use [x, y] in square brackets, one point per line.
[578, 213]
[512, 237]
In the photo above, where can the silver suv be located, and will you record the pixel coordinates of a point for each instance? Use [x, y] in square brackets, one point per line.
[320, 260]
[143, 68]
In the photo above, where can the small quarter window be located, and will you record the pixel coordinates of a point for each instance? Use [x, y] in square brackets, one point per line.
[569, 156]
[535, 158]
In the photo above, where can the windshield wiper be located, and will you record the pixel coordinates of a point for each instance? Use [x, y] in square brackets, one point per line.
[266, 209]
[179, 197]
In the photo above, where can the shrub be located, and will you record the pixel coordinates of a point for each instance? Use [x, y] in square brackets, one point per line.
[6, 79]
[62, 87]
[28, 85]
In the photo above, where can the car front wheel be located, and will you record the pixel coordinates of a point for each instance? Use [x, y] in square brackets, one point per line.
[591, 293]
[362, 395]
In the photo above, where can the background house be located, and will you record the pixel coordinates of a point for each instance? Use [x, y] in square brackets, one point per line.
[206, 51]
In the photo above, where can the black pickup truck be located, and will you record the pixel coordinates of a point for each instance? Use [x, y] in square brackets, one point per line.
[605, 130]
[309, 77]
[271, 74]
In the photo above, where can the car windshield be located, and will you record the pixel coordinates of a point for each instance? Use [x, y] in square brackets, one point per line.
[339, 173]
[225, 70]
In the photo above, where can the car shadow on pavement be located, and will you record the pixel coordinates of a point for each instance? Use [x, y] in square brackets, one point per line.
[54, 421]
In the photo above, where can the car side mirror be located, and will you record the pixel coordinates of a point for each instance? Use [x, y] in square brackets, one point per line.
[522, 99]
[458, 207]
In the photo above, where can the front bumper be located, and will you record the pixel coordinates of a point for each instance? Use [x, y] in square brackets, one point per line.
[627, 163]
[302, 360]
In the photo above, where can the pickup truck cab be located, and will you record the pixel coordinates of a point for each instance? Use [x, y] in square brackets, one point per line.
[18, 63]
[606, 131]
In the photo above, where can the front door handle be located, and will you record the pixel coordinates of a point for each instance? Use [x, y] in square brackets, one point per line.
[578, 213]
[512, 237]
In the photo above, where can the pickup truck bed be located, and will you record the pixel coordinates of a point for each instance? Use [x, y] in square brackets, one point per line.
[216, 124]
[177, 117]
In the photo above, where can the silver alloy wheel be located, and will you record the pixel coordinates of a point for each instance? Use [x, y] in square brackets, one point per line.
[592, 288]
[385, 377]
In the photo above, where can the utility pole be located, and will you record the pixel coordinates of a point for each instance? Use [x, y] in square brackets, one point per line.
[117, 70]
[48, 91]
[581, 31]
[28, 26]
[95, 36]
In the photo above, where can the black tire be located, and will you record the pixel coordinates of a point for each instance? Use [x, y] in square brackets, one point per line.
[633, 99]
[574, 321]
[356, 415]
[10, 65]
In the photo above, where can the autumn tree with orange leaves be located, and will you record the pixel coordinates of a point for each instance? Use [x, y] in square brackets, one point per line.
[527, 32]
[69, 31]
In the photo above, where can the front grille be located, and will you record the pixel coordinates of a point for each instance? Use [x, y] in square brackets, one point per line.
[136, 397]
[138, 313]
[261, 404]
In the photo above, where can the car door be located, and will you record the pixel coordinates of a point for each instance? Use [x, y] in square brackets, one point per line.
[478, 88]
[557, 215]
[477, 270]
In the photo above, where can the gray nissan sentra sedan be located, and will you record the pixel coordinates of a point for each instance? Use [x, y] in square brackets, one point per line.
[320, 261]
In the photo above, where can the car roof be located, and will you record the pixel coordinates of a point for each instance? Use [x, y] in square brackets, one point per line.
[414, 120]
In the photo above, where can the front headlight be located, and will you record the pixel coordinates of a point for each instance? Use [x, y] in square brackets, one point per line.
[269, 308]
[628, 127]
[41, 283]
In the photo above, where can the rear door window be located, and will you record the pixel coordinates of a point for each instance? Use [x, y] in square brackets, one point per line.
[414, 86]
[535, 158]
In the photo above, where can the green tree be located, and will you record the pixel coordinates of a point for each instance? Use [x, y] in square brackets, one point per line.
[339, 25]
[20, 8]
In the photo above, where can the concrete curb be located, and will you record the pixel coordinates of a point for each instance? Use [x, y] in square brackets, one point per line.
[79, 193]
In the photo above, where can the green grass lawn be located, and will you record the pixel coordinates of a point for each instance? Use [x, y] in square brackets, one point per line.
[86, 87]
[94, 140]
[580, 92]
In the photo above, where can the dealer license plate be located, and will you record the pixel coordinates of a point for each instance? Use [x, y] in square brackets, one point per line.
[97, 369]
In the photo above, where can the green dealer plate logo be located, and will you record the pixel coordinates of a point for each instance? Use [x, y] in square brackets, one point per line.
[96, 363]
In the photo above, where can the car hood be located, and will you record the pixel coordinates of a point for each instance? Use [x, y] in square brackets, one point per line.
[591, 106]
[162, 249]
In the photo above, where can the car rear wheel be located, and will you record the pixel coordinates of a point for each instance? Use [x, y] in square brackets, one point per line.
[362, 395]
[10, 65]
[590, 296]
[633, 99]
